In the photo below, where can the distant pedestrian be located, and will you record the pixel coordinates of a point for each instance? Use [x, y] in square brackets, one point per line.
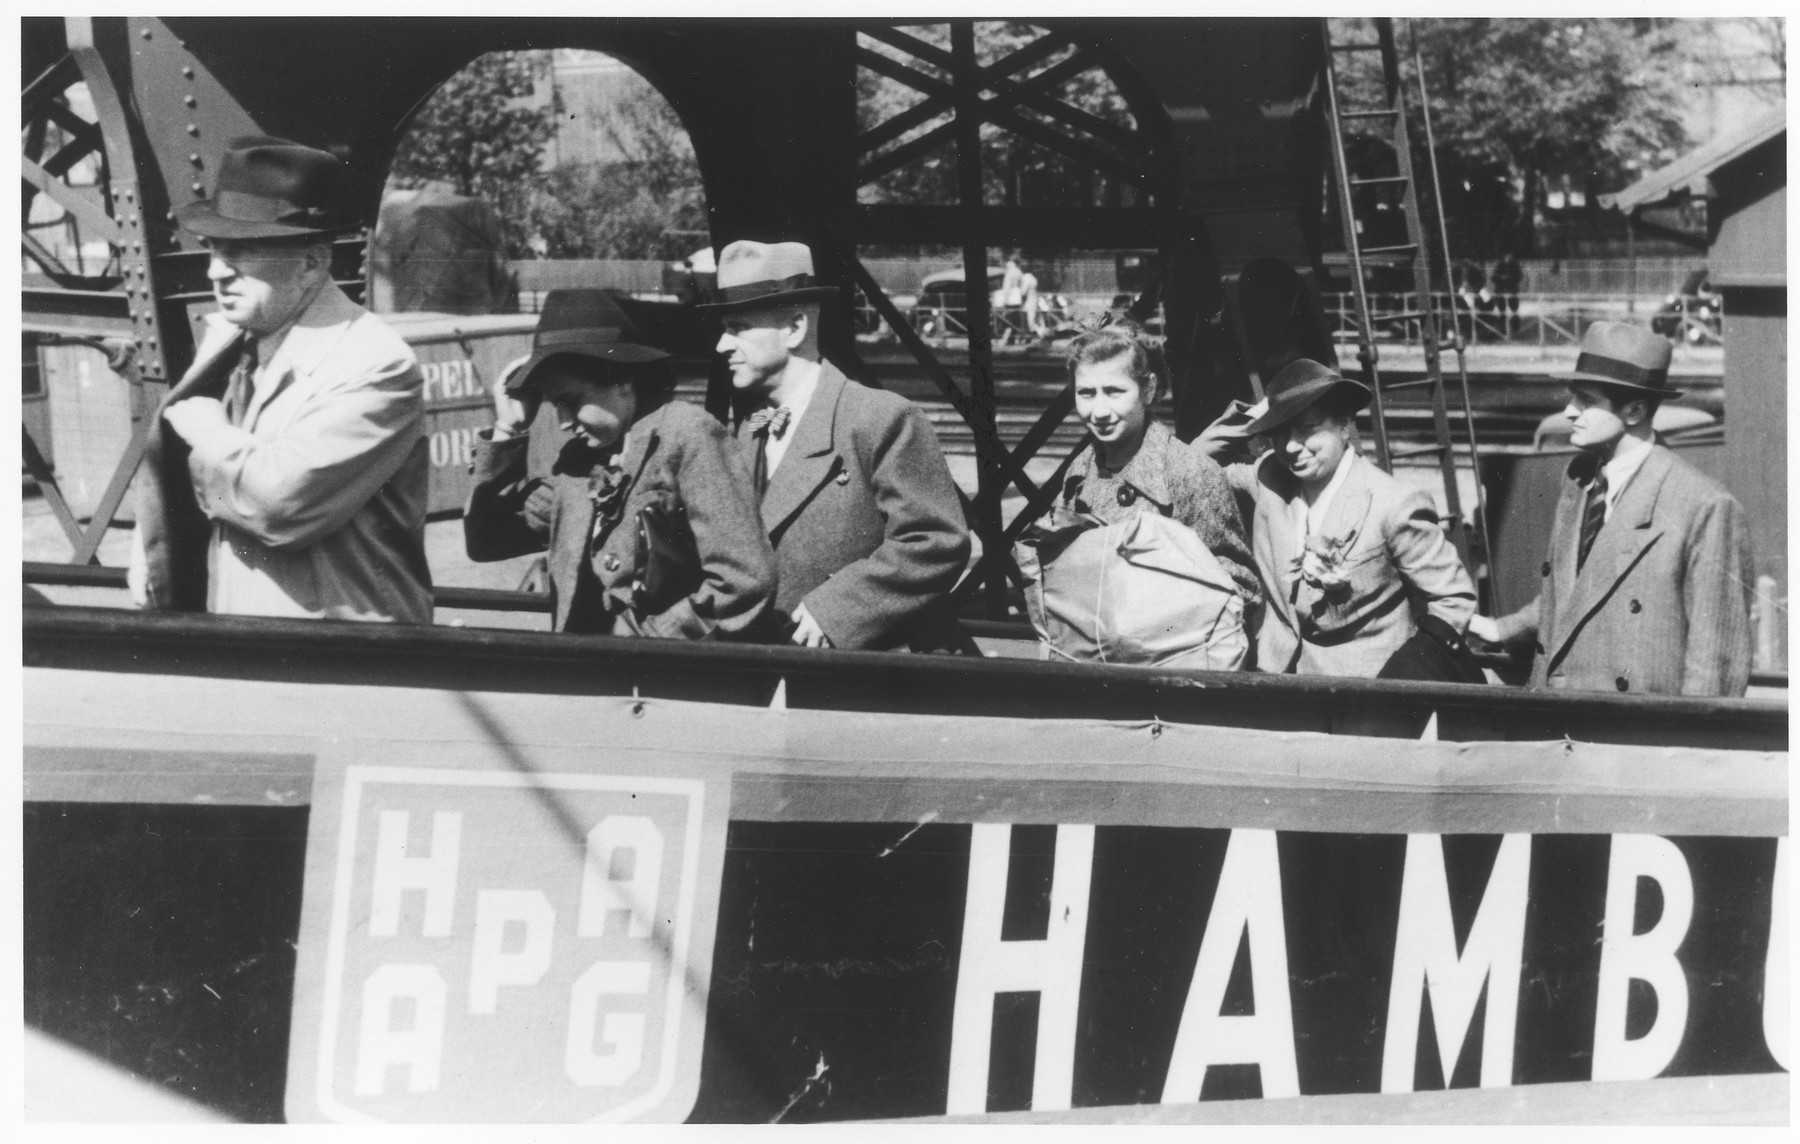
[1506, 277]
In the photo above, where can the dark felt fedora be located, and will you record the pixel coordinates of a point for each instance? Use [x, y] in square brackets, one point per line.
[1298, 386]
[584, 323]
[270, 188]
[1624, 355]
[757, 274]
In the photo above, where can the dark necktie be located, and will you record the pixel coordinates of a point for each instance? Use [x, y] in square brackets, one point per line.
[769, 421]
[1592, 517]
[242, 384]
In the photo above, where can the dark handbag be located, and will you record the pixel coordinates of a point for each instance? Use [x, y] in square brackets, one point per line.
[670, 569]
[1435, 653]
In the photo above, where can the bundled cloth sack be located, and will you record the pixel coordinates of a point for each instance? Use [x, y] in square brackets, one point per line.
[1144, 590]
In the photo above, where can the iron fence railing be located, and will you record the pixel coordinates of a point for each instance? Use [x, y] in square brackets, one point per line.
[1543, 320]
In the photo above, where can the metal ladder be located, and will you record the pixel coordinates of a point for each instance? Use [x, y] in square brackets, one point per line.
[1391, 121]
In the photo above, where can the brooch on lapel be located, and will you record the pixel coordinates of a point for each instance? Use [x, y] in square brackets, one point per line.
[1321, 565]
[607, 488]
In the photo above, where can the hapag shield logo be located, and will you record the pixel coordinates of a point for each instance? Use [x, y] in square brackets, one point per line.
[505, 946]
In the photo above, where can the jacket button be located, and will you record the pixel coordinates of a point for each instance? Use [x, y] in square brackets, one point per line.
[611, 564]
[1127, 495]
[1636, 607]
[1545, 570]
[1622, 684]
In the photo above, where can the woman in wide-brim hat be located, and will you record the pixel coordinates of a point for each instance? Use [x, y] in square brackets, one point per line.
[1354, 563]
[646, 514]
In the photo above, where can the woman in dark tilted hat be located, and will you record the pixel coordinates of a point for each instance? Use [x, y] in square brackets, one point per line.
[1359, 576]
[647, 513]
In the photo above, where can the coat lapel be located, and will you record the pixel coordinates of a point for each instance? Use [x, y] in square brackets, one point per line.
[313, 335]
[1276, 491]
[812, 458]
[573, 525]
[1622, 541]
[1350, 505]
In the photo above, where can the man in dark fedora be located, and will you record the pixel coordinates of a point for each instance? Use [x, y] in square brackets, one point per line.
[868, 529]
[298, 433]
[1646, 585]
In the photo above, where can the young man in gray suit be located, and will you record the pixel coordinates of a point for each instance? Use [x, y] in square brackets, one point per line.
[868, 529]
[1646, 587]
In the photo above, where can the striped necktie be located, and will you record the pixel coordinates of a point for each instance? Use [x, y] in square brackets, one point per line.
[1592, 517]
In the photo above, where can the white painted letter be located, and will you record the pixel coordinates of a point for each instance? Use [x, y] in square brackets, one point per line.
[1425, 957]
[434, 874]
[1775, 968]
[600, 892]
[1647, 957]
[1248, 898]
[421, 1047]
[623, 1033]
[1051, 968]
[491, 966]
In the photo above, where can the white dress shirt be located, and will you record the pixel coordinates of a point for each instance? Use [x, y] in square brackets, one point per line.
[1619, 471]
[805, 382]
[1315, 512]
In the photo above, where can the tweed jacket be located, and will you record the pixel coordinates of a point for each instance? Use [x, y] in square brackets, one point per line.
[1182, 483]
[675, 455]
[318, 497]
[867, 525]
[1393, 555]
[1662, 604]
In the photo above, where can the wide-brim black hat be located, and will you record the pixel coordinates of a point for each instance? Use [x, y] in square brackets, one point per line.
[584, 323]
[754, 275]
[1297, 387]
[271, 188]
[1624, 356]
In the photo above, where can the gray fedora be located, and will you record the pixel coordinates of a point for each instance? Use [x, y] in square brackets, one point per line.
[1627, 356]
[757, 274]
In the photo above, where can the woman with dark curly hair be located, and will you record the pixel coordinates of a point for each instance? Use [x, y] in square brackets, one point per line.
[647, 513]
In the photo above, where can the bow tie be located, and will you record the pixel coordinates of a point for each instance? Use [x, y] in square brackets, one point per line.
[770, 419]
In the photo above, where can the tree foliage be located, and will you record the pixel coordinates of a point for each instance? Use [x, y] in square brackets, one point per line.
[483, 133]
[1517, 102]
[649, 205]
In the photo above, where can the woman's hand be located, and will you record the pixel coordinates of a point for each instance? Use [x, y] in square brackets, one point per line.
[513, 409]
[1484, 628]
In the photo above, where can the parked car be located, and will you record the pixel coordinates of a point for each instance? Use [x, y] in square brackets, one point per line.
[942, 307]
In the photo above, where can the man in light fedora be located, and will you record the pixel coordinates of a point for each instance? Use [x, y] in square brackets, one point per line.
[1646, 587]
[1354, 564]
[298, 454]
[868, 529]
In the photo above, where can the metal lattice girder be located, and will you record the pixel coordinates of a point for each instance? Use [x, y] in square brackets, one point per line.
[953, 97]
